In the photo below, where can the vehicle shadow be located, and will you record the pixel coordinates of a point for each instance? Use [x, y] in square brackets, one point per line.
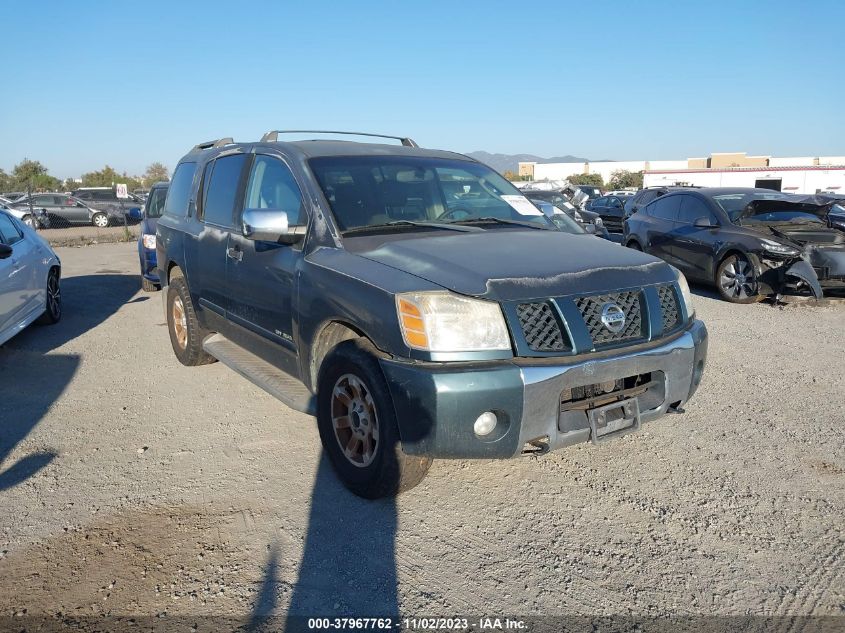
[348, 565]
[32, 378]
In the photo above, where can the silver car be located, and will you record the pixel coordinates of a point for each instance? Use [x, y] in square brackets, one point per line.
[41, 219]
[30, 276]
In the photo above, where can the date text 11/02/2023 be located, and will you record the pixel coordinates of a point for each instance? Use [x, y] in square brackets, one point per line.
[417, 624]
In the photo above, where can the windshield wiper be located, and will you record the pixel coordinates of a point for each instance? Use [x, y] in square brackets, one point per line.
[492, 220]
[400, 223]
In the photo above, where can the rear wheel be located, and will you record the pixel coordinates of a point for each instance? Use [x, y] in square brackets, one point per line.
[736, 280]
[53, 312]
[100, 220]
[635, 245]
[29, 221]
[186, 334]
[358, 427]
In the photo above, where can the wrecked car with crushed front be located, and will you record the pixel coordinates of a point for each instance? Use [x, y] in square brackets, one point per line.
[417, 303]
[749, 243]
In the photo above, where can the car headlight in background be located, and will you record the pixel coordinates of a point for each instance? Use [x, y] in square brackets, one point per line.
[598, 222]
[149, 242]
[686, 295]
[446, 322]
[778, 248]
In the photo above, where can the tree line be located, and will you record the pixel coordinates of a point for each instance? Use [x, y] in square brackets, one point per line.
[620, 179]
[31, 173]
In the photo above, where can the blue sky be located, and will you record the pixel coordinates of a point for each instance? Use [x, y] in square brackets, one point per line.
[90, 83]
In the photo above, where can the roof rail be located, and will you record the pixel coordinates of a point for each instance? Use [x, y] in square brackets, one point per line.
[210, 144]
[273, 135]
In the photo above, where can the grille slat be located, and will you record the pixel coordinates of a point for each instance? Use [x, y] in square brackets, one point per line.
[541, 328]
[669, 309]
[591, 309]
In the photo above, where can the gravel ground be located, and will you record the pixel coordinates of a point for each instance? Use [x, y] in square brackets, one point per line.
[86, 235]
[131, 485]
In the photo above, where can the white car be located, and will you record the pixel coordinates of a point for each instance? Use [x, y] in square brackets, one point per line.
[30, 276]
[23, 214]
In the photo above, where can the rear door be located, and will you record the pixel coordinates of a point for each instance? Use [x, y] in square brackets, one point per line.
[262, 274]
[220, 194]
[659, 222]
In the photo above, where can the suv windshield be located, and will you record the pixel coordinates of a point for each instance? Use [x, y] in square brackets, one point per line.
[155, 202]
[734, 203]
[370, 191]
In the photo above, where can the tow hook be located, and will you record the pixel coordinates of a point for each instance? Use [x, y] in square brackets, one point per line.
[536, 448]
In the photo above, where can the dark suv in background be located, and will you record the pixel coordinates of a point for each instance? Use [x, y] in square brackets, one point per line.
[417, 303]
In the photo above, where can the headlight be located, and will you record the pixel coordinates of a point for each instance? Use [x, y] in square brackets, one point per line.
[149, 242]
[778, 248]
[686, 295]
[598, 222]
[446, 322]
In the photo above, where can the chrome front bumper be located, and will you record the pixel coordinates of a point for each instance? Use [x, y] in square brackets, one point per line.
[681, 363]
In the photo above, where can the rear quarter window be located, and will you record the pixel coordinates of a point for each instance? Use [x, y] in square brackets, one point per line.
[179, 192]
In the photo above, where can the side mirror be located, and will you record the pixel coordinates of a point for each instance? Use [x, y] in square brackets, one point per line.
[704, 223]
[5, 251]
[136, 214]
[270, 225]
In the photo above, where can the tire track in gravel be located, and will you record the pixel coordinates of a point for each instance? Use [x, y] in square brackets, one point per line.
[816, 585]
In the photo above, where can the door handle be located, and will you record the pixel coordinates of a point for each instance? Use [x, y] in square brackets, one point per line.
[234, 253]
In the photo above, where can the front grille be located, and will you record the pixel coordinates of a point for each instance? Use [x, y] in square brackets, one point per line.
[591, 310]
[541, 328]
[669, 309]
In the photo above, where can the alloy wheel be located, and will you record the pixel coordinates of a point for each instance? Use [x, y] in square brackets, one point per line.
[738, 279]
[180, 322]
[54, 296]
[355, 420]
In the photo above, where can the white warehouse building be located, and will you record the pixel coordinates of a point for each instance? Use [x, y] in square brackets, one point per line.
[797, 174]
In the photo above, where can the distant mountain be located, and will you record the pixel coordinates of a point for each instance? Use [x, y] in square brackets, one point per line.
[510, 162]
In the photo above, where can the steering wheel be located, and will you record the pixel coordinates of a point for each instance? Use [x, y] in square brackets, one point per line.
[453, 212]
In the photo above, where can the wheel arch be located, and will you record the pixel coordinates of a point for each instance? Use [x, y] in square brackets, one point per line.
[327, 336]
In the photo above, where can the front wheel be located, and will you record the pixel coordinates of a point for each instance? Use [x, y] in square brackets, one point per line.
[736, 280]
[53, 310]
[358, 428]
[100, 220]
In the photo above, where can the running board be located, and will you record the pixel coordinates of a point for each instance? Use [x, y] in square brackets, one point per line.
[271, 379]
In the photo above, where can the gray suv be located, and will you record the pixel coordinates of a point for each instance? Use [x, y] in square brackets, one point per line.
[417, 303]
[105, 200]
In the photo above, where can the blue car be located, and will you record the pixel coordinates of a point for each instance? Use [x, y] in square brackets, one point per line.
[147, 239]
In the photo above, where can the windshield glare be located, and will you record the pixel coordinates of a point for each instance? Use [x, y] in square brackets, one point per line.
[155, 202]
[377, 190]
[734, 203]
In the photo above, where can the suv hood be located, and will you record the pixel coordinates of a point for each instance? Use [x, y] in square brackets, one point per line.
[514, 265]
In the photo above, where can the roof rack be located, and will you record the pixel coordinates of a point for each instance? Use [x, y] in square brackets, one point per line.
[273, 135]
[210, 144]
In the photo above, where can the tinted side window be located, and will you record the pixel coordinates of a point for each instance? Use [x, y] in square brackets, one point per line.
[664, 208]
[180, 189]
[104, 195]
[43, 201]
[271, 186]
[84, 195]
[223, 189]
[600, 202]
[646, 197]
[692, 209]
[8, 231]
[614, 203]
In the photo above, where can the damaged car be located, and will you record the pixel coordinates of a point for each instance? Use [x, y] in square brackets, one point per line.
[749, 243]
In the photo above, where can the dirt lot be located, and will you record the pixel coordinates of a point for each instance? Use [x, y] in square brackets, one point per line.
[131, 485]
[87, 235]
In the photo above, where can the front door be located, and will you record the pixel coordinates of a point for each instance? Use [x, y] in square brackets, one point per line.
[692, 248]
[262, 276]
[18, 285]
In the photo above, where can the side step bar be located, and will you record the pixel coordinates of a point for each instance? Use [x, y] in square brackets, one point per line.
[274, 381]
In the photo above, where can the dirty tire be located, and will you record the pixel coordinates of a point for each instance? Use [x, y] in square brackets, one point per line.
[729, 289]
[149, 286]
[53, 312]
[186, 334]
[389, 471]
[635, 245]
[100, 220]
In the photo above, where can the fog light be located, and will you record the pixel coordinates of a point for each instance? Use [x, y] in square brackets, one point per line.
[485, 423]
